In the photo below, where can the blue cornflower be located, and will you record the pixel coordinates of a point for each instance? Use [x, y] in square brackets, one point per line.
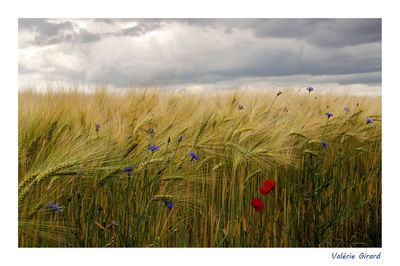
[369, 121]
[329, 115]
[324, 144]
[169, 204]
[240, 107]
[194, 156]
[128, 169]
[310, 89]
[347, 109]
[154, 147]
[56, 207]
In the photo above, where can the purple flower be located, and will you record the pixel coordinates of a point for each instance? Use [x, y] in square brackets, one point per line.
[169, 204]
[128, 169]
[347, 109]
[329, 115]
[240, 107]
[97, 127]
[56, 207]
[194, 156]
[154, 147]
[310, 89]
[369, 121]
[324, 144]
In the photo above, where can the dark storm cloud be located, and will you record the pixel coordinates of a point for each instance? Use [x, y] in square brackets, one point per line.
[342, 32]
[203, 51]
[141, 29]
[42, 26]
[322, 32]
[104, 20]
[47, 33]
[50, 33]
[373, 78]
[84, 36]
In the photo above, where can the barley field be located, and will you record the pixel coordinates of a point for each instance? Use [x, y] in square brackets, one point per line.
[231, 169]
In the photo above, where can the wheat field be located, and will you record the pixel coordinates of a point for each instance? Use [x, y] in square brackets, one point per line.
[163, 169]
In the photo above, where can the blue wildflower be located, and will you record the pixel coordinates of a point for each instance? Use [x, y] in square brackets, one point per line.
[240, 107]
[56, 207]
[169, 204]
[310, 89]
[347, 109]
[194, 156]
[329, 115]
[154, 147]
[128, 169]
[324, 144]
[369, 121]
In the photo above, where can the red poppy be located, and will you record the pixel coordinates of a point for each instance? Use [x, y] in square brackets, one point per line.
[265, 190]
[268, 186]
[269, 183]
[258, 204]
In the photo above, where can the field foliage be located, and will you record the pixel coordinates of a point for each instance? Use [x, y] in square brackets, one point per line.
[323, 196]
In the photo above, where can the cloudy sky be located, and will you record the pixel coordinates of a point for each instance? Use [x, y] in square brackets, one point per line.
[203, 54]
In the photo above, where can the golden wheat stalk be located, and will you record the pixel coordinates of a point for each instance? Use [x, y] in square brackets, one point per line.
[204, 162]
[162, 197]
[145, 120]
[28, 179]
[237, 148]
[255, 173]
[24, 190]
[200, 131]
[219, 165]
[107, 177]
[241, 130]
[149, 163]
[43, 177]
